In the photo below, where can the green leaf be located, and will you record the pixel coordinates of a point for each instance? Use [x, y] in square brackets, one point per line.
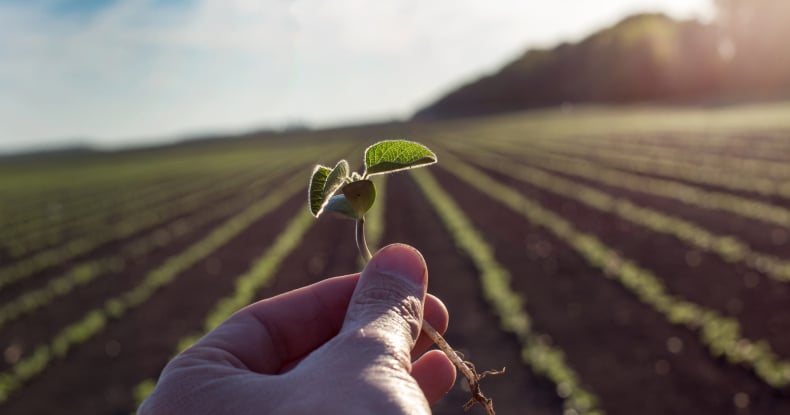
[360, 195]
[394, 155]
[316, 190]
[336, 178]
[339, 204]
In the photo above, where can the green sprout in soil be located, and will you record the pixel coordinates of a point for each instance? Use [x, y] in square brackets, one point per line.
[351, 195]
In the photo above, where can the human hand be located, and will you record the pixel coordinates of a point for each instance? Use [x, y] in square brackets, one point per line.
[342, 345]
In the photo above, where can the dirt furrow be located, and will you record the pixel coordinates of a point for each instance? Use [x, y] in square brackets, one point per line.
[113, 246]
[31, 330]
[696, 275]
[474, 329]
[762, 236]
[700, 179]
[629, 354]
[138, 346]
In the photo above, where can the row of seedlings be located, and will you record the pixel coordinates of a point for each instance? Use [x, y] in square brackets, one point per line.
[729, 248]
[721, 335]
[115, 308]
[544, 359]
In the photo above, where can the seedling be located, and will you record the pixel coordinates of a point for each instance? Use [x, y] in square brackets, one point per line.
[350, 195]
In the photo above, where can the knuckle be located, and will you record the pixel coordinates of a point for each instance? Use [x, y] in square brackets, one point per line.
[391, 304]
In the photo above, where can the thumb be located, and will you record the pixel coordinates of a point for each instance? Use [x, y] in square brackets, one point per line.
[387, 303]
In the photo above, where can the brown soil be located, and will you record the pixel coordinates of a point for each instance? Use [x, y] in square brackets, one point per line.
[177, 310]
[696, 275]
[617, 344]
[109, 248]
[759, 235]
[70, 308]
[473, 329]
[625, 352]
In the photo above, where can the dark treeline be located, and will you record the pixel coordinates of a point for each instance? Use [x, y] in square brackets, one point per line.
[743, 55]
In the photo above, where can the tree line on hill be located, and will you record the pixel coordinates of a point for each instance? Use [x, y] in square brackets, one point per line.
[742, 55]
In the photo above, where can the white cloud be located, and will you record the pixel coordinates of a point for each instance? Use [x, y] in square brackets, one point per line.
[141, 69]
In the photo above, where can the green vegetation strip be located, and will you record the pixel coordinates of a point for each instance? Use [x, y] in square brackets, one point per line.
[127, 227]
[727, 175]
[247, 285]
[762, 155]
[102, 182]
[83, 244]
[78, 208]
[37, 211]
[692, 195]
[126, 198]
[36, 207]
[728, 248]
[89, 271]
[545, 359]
[720, 334]
[38, 177]
[691, 154]
[115, 308]
[95, 219]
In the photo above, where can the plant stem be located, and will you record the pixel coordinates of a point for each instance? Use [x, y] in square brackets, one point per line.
[362, 245]
[465, 367]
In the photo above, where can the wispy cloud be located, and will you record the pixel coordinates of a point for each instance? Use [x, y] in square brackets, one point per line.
[137, 68]
[117, 70]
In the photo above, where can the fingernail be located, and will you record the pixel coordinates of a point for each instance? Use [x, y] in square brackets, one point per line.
[401, 260]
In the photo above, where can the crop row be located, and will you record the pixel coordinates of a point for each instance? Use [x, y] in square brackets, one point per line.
[545, 359]
[124, 228]
[121, 201]
[692, 195]
[94, 220]
[54, 210]
[727, 176]
[88, 271]
[247, 285]
[102, 171]
[115, 308]
[50, 208]
[83, 244]
[42, 205]
[35, 193]
[728, 248]
[771, 148]
[720, 334]
[741, 164]
[704, 132]
[261, 273]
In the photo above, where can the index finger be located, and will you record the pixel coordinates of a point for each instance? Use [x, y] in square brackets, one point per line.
[273, 333]
[268, 334]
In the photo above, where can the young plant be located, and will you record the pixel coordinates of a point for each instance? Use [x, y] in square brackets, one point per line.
[351, 195]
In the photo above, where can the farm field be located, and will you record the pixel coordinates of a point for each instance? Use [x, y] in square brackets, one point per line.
[616, 261]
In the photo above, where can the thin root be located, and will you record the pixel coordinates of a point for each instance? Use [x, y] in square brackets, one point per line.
[474, 385]
[467, 369]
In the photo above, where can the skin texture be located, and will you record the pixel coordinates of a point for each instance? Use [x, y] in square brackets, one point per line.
[349, 345]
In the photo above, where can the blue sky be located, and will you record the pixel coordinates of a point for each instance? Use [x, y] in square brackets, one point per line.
[113, 73]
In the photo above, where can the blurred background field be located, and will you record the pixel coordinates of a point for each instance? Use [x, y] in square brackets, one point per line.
[609, 218]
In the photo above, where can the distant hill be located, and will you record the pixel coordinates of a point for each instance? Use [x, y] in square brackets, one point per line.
[60, 153]
[643, 58]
